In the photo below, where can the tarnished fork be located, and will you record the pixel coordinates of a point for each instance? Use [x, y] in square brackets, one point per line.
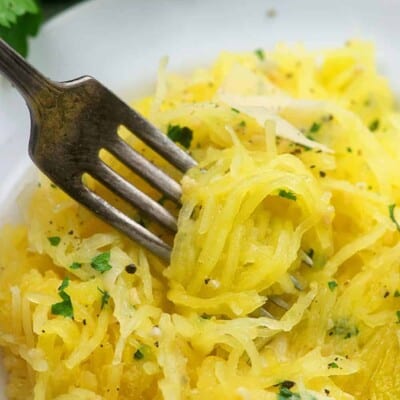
[71, 122]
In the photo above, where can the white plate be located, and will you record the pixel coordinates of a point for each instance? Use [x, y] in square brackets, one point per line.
[120, 42]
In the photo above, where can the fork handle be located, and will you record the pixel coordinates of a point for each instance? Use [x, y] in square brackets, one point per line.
[29, 82]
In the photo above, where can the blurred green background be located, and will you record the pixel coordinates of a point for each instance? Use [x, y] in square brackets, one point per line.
[22, 19]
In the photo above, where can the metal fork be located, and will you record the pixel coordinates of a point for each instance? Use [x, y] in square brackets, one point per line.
[71, 122]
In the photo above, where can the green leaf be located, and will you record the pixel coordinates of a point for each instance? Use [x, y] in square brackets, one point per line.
[64, 307]
[398, 316]
[392, 217]
[16, 27]
[332, 285]
[287, 194]
[75, 265]
[181, 135]
[54, 240]
[101, 262]
[397, 293]
[64, 284]
[105, 297]
[10, 10]
[333, 365]
[235, 110]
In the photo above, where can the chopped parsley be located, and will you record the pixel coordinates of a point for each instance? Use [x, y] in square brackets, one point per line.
[315, 127]
[182, 135]
[332, 285]
[101, 262]
[286, 394]
[333, 365]
[64, 284]
[242, 124]
[392, 217]
[64, 307]
[287, 194]
[374, 125]
[397, 293]
[75, 265]
[344, 329]
[349, 149]
[235, 110]
[105, 297]
[398, 316]
[260, 54]
[138, 355]
[54, 240]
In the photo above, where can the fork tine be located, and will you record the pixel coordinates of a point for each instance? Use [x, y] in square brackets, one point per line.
[279, 302]
[157, 140]
[122, 222]
[145, 169]
[126, 190]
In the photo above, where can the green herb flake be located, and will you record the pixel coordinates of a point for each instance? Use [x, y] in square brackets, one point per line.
[54, 240]
[260, 54]
[349, 149]
[75, 265]
[182, 135]
[64, 284]
[287, 194]
[332, 285]
[392, 217]
[101, 262]
[397, 293]
[205, 316]
[374, 125]
[344, 329]
[64, 307]
[105, 297]
[242, 124]
[315, 127]
[398, 316]
[235, 110]
[333, 365]
[286, 394]
[138, 355]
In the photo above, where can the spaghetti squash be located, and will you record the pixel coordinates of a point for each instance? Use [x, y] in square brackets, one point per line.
[284, 279]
